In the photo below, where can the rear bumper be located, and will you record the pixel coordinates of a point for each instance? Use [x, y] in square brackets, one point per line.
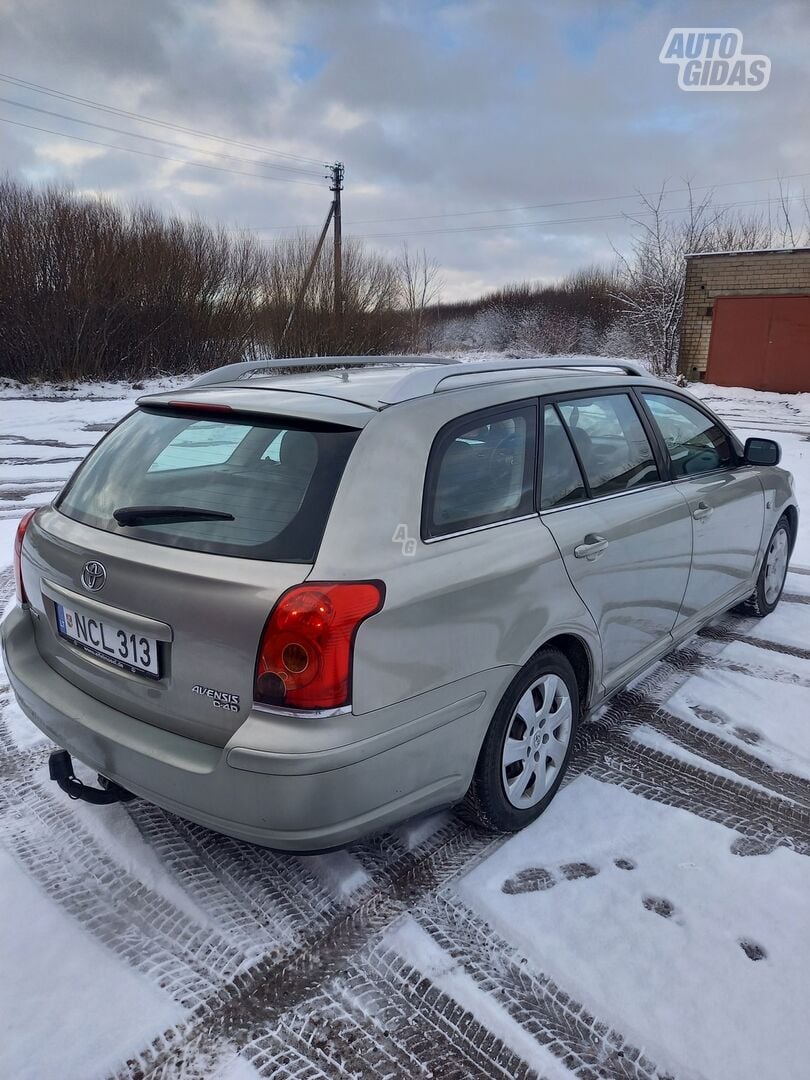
[412, 757]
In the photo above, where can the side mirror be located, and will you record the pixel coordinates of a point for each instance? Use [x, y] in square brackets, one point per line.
[762, 452]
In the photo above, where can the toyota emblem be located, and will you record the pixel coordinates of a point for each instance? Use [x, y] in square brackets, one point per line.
[93, 576]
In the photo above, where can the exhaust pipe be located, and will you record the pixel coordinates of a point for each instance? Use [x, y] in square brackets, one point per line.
[60, 767]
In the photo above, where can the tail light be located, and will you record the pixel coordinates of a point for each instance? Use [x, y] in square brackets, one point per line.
[305, 655]
[18, 543]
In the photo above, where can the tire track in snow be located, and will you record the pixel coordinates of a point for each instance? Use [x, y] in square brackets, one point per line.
[726, 634]
[608, 754]
[780, 675]
[722, 752]
[794, 598]
[143, 928]
[362, 1024]
[585, 1045]
[261, 900]
[261, 993]
[671, 781]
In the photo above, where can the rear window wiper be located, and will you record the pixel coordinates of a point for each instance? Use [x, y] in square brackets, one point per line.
[166, 515]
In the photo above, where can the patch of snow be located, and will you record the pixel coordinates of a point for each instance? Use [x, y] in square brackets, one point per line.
[105, 1011]
[757, 659]
[744, 251]
[24, 734]
[766, 719]
[234, 1067]
[758, 401]
[798, 583]
[116, 834]
[656, 950]
[8, 530]
[340, 872]
[415, 832]
[11, 389]
[789, 624]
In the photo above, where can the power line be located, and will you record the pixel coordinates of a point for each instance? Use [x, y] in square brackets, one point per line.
[91, 104]
[154, 139]
[565, 221]
[620, 216]
[581, 202]
[161, 157]
[543, 206]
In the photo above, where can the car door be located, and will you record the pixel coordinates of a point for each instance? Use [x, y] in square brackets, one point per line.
[726, 500]
[625, 536]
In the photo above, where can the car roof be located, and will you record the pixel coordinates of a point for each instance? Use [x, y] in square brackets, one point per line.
[351, 394]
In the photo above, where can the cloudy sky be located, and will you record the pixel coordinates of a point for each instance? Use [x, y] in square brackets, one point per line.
[439, 111]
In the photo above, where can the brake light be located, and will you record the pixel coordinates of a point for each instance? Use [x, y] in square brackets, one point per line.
[18, 543]
[305, 654]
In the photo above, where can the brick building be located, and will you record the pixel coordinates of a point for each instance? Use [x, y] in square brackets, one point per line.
[746, 319]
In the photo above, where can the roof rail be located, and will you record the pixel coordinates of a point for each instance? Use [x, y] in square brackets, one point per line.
[235, 372]
[415, 384]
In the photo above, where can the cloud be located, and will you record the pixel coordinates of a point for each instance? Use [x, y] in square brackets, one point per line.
[435, 107]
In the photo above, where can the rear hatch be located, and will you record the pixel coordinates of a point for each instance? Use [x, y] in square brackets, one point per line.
[153, 575]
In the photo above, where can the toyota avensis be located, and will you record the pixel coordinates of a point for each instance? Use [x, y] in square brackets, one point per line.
[299, 607]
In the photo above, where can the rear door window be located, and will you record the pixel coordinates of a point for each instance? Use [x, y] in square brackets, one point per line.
[274, 479]
[610, 441]
[481, 471]
[561, 481]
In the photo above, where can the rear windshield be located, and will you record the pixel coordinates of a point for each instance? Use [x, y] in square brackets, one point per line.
[276, 479]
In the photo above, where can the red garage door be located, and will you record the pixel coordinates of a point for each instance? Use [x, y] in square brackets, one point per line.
[762, 342]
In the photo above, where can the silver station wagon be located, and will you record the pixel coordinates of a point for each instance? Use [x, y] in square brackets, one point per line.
[298, 607]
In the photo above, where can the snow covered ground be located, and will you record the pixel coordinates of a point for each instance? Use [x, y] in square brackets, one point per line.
[655, 922]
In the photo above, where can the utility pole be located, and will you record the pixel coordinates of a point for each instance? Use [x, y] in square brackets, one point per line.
[336, 187]
[308, 275]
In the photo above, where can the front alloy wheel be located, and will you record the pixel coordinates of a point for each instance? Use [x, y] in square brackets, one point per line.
[772, 574]
[776, 562]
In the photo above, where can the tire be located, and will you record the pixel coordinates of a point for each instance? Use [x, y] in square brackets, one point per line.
[544, 686]
[772, 573]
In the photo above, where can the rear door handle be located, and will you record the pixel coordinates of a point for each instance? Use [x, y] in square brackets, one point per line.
[702, 511]
[591, 547]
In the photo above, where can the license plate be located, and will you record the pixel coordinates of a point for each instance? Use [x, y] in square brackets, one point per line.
[108, 641]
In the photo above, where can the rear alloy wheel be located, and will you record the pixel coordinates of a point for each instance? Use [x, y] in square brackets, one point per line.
[528, 746]
[772, 574]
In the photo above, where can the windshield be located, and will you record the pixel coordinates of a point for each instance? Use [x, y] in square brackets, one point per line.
[268, 485]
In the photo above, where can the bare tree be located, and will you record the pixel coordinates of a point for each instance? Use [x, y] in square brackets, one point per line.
[370, 323]
[420, 285]
[653, 272]
[792, 230]
[89, 290]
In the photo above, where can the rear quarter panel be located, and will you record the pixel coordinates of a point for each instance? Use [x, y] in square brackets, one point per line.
[456, 606]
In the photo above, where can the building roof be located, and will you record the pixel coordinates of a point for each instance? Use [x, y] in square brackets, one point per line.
[749, 251]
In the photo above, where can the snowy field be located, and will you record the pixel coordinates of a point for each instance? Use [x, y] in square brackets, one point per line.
[654, 923]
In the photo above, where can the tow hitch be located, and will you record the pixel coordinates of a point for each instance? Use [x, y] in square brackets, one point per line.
[60, 767]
